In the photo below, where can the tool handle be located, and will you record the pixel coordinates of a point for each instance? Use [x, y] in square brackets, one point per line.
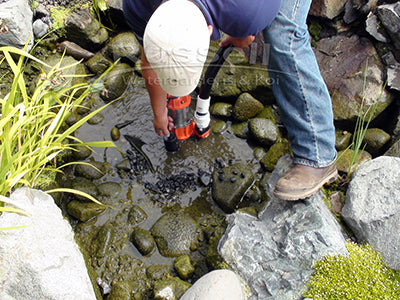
[212, 70]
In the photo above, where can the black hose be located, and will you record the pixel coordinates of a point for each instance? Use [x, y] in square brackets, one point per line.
[212, 70]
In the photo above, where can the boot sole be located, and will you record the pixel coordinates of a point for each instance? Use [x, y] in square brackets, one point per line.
[305, 194]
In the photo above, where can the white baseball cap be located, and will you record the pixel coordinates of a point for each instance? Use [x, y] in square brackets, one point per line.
[176, 41]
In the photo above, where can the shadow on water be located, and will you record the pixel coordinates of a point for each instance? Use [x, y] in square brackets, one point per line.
[194, 154]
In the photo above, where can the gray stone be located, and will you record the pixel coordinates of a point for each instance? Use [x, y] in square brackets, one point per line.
[16, 24]
[373, 28]
[389, 15]
[393, 77]
[41, 261]
[264, 131]
[218, 285]
[275, 253]
[85, 30]
[327, 8]
[356, 77]
[229, 185]
[124, 45]
[98, 63]
[39, 28]
[372, 207]
[176, 234]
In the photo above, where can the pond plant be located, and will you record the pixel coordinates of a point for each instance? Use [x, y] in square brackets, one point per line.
[33, 133]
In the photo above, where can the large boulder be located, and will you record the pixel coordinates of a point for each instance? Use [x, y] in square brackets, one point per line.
[354, 75]
[16, 24]
[371, 207]
[275, 252]
[41, 261]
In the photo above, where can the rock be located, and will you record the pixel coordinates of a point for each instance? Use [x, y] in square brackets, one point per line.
[327, 8]
[274, 153]
[142, 240]
[176, 234]
[35, 260]
[218, 284]
[375, 139]
[393, 77]
[264, 131]
[348, 161]
[115, 134]
[389, 15]
[98, 63]
[270, 112]
[125, 290]
[241, 130]
[84, 185]
[82, 152]
[230, 184]
[136, 215]
[124, 46]
[83, 29]
[116, 82]
[84, 211]
[75, 50]
[275, 253]
[109, 189]
[184, 267]
[343, 139]
[158, 272]
[39, 28]
[350, 83]
[371, 207]
[94, 170]
[219, 127]
[374, 29]
[246, 107]
[96, 119]
[221, 109]
[170, 289]
[16, 24]
[104, 241]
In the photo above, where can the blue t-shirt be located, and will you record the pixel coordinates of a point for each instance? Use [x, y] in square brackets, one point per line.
[237, 18]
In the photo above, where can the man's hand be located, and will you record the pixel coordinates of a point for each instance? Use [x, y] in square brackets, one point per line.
[163, 123]
[238, 42]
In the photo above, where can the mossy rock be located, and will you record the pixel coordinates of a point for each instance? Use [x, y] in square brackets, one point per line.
[98, 63]
[93, 170]
[246, 107]
[109, 189]
[359, 275]
[176, 233]
[241, 130]
[343, 139]
[125, 46]
[136, 215]
[84, 211]
[184, 267]
[346, 157]
[142, 240]
[175, 287]
[83, 184]
[375, 139]
[264, 131]
[221, 109]
[116, 81]
[274, 153]
[219, 127]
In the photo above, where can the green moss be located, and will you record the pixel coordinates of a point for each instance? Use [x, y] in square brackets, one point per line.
[359, 275]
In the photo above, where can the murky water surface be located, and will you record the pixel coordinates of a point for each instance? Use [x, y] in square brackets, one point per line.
[194, 154]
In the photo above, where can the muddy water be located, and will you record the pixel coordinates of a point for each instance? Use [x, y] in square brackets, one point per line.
[194, 154]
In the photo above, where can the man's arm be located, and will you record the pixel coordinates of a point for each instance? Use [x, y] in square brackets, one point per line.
[158, 99]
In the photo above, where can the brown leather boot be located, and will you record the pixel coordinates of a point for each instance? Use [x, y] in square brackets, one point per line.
[302, 181]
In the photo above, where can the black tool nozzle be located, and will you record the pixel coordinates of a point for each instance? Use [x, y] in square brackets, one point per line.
[171, 142]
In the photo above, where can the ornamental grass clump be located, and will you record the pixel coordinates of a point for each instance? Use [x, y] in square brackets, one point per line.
[359, 275]
[32, 124]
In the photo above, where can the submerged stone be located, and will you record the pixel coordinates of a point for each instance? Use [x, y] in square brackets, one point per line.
[230, 184]
[84, 185]
[170, 289]
[175, 234]
[84, 211]
[142, 240]
[184, 267]
[94, 170]
[136, 215]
